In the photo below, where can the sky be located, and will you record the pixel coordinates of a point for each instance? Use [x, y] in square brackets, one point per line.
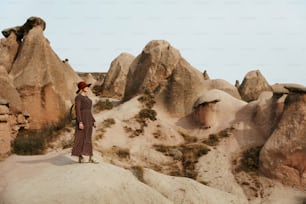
[228, 38]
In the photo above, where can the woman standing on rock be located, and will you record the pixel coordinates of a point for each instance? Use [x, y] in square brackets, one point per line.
[84, 123]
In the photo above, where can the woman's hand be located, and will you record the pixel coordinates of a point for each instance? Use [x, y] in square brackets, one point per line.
[81, 125]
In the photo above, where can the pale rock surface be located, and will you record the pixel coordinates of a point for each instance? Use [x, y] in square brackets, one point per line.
[115, 80]
[185, 190]
[56, 178]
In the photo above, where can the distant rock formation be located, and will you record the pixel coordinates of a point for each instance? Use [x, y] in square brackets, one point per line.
[46, 85]
[284, 154]
[115, 80]
[252, 85]
[161, 69]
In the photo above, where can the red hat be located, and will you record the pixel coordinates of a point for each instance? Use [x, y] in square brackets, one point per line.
[82, 85]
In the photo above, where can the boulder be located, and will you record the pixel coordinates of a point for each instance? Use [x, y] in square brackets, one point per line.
[284, 154]
[46, 85]
[252, 85]
[115, 80]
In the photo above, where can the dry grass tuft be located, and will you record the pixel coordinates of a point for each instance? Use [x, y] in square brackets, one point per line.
[107, 123]
[103, 105]
[188, 138]
[138, 172]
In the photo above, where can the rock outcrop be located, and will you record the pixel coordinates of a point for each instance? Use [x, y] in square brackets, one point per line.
[45, 84]
[216, 108]
[161, 69]
[284, 154]
[252, 85]
[115, 80]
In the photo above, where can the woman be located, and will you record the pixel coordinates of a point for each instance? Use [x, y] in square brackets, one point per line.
[84, 123]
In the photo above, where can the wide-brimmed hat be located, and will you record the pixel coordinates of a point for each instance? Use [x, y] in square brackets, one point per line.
[82, 85]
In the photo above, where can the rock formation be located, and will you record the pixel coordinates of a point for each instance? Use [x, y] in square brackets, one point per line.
[284, 154]
[45, 84]
[252, 85]
[115, 80]
[205, 112]
[161, 69]
[216, 108]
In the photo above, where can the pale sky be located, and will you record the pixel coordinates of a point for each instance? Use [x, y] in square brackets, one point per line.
[227, 38]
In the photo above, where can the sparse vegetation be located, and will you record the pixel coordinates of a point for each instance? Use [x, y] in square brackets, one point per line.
[32, 142]
[250, 159]
[29, 144]
[226, 132]
[188, 138]
[107, 123]
[103, 105]
[147, 113]
[157, 134]
[212, 140]
[123, 153]
[97, 90]
[138, 172]
[147, 99]
[188, 154]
